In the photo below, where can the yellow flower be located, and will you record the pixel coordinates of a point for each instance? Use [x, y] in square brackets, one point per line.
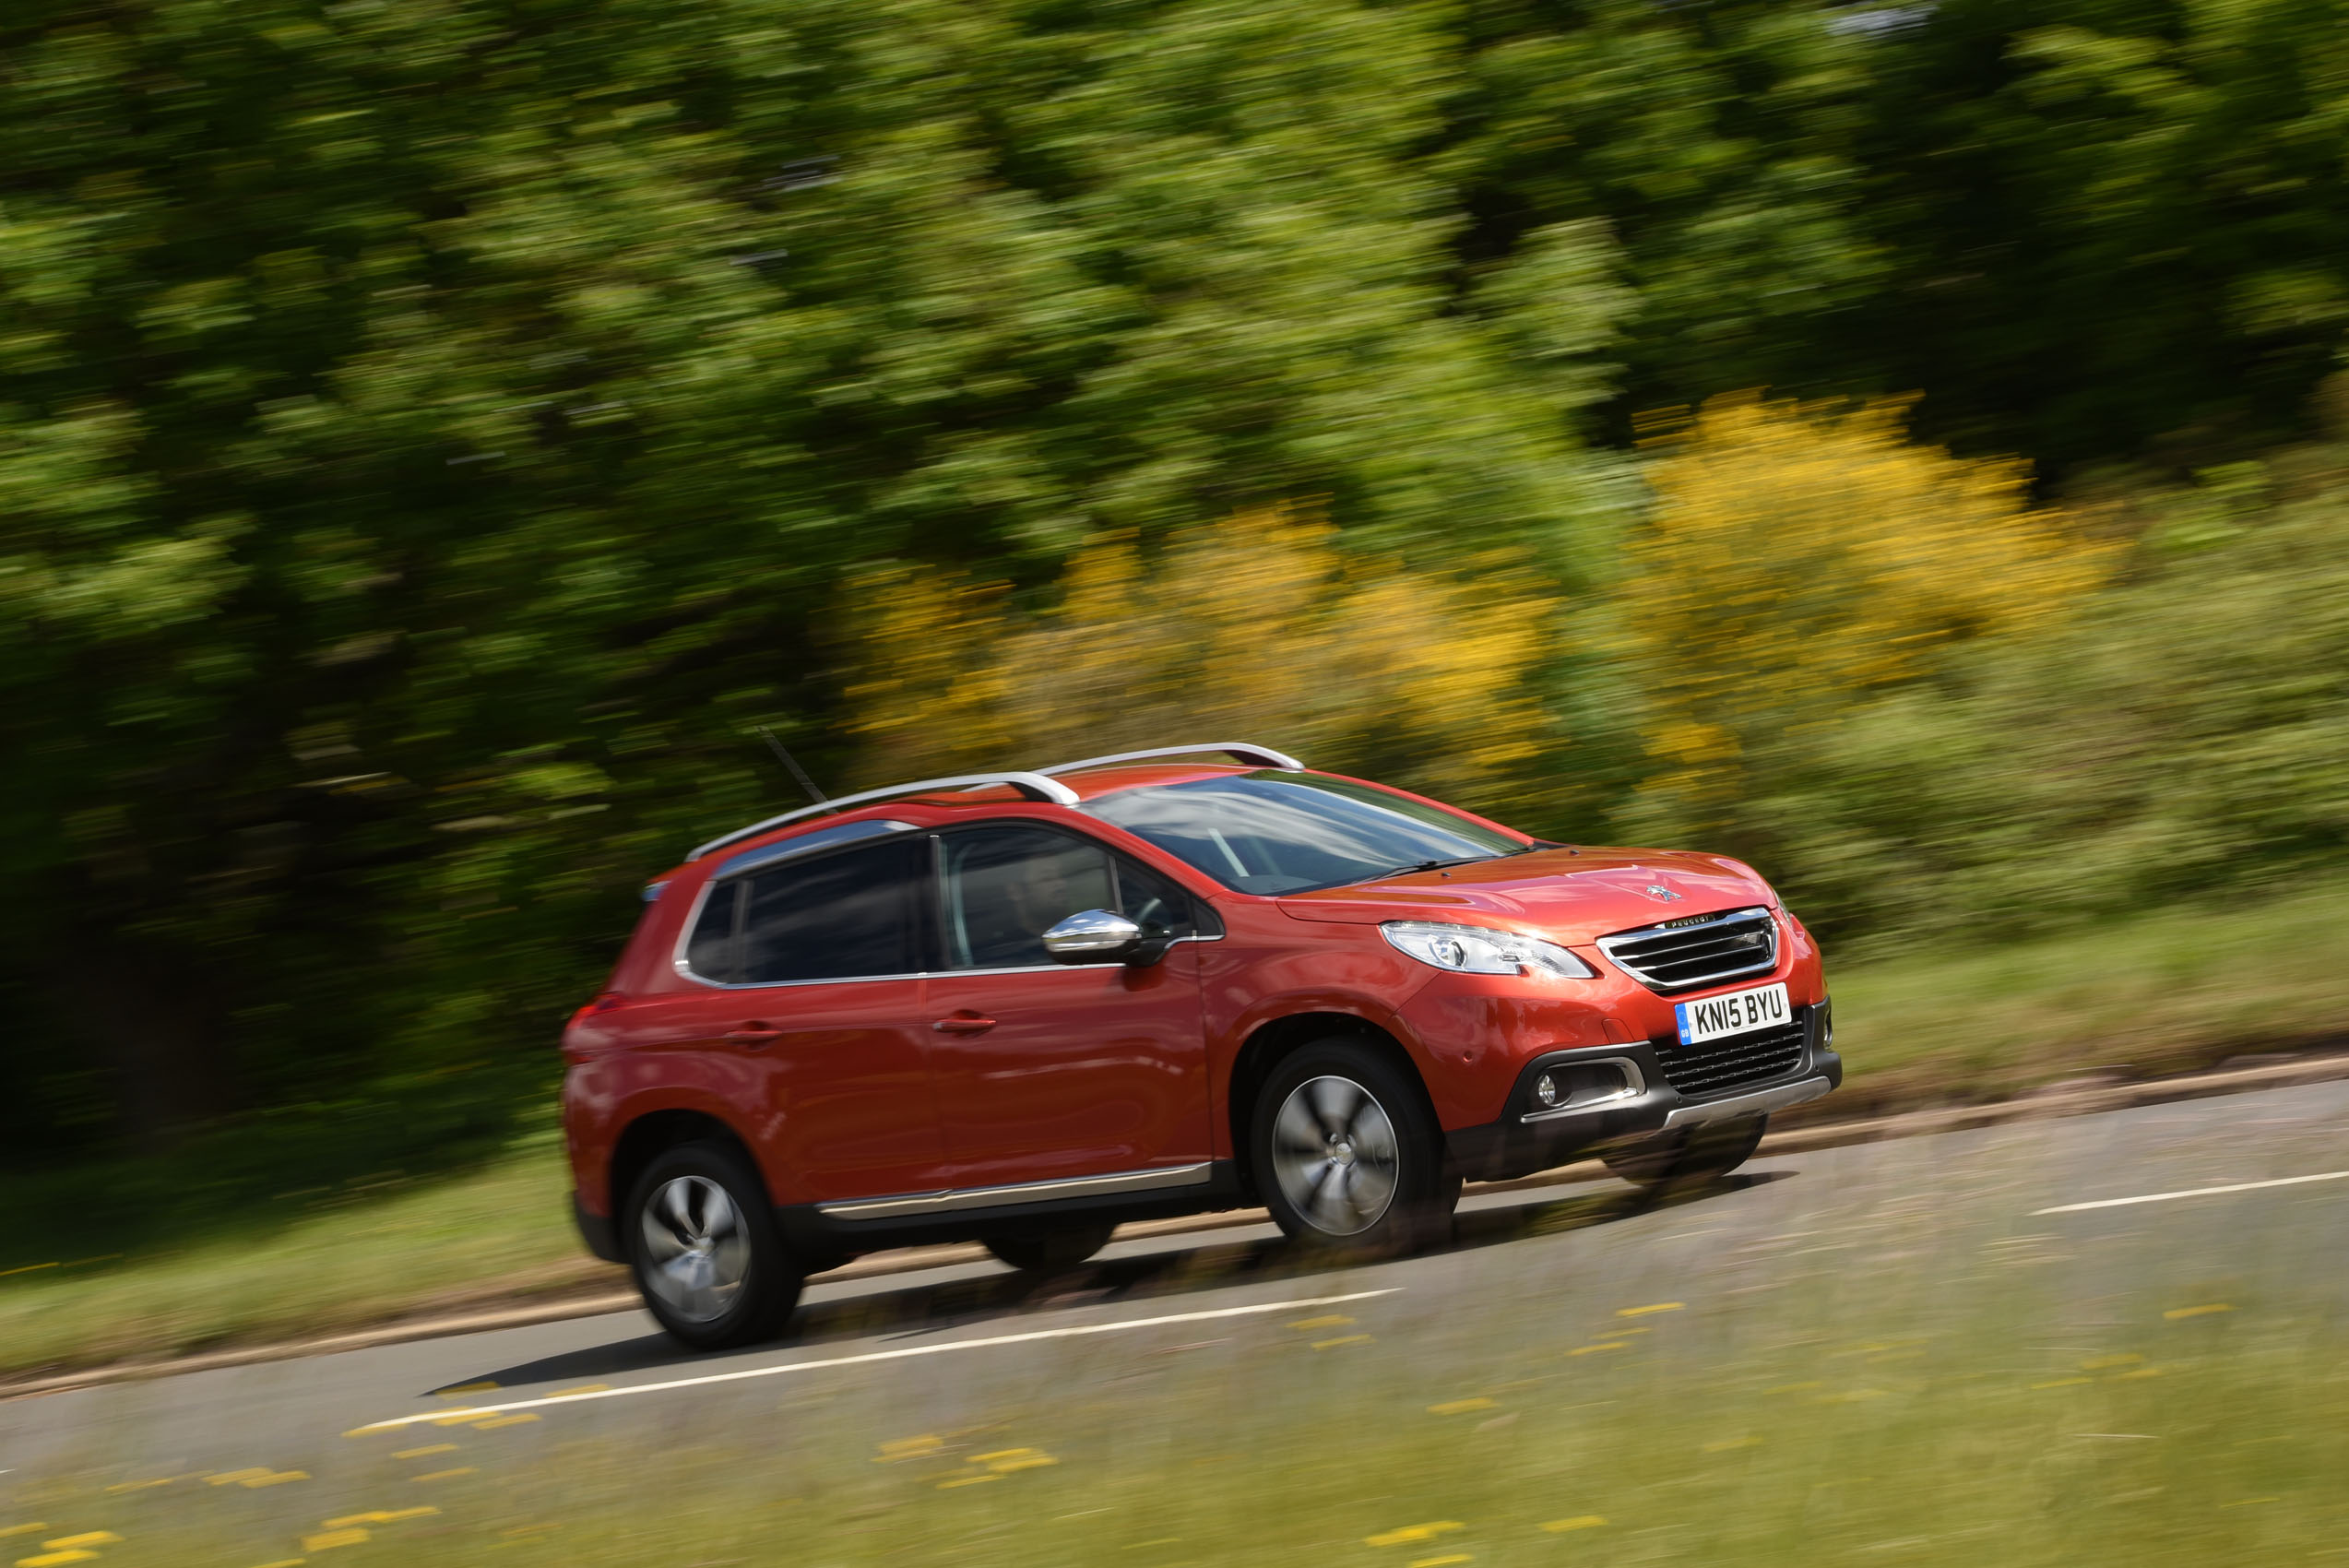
[919, 1447]
[326, 1541]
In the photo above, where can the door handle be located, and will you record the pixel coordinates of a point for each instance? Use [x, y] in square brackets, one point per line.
[752, 1034]
[964, 1023]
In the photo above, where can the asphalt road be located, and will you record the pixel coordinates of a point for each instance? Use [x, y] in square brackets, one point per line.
[258, 1464]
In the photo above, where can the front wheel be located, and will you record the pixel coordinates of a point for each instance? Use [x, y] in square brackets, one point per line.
[1346, 1153]
[1688, 1155]
[703, 1246]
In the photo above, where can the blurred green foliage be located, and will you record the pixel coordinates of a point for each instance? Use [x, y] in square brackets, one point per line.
[2081, 228]
[432, 436]
[2182, 733]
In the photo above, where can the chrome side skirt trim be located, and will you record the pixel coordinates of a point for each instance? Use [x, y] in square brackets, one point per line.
[949, 1199]
[1752, 1104]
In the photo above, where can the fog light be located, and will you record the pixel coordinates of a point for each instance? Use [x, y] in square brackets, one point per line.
[1546, 1089]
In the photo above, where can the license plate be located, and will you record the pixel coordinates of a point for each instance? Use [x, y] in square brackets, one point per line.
[1762, 1007]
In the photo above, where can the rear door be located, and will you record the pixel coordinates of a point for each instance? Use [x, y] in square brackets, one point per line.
[1045, 1071]
[813, 1007]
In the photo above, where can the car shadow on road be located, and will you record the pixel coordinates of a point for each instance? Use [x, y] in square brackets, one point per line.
[921, 1311]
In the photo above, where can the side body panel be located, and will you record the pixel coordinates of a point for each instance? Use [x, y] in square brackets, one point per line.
[826, 1084]
[1088, 1069]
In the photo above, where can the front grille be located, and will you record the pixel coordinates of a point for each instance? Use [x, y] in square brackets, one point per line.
[1700, 950]
[1732, 1064]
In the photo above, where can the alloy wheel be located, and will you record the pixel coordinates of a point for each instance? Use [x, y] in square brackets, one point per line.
[1335, 1155]
[696, 1253]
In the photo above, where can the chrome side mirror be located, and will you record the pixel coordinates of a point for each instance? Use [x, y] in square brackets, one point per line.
[1095, 936]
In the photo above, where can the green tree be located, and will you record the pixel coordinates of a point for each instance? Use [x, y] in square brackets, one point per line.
[435, 434]
[2085, 229]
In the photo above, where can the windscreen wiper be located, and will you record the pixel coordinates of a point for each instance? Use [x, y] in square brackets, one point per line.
[1432, 865]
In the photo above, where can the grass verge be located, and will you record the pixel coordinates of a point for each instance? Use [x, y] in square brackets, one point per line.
[360, 1255]
[2166, 993]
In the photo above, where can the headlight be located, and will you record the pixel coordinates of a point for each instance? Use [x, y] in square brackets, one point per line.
[1475, 950]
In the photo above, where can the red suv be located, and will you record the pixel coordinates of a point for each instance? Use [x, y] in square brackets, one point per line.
[1020, 1007]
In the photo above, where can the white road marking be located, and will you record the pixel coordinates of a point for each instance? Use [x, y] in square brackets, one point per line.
[2195, 1193]
[1072, 1331]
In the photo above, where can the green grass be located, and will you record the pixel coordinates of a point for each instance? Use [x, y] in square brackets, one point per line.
[2183, 989]
[2163, 993]
[358, 1254]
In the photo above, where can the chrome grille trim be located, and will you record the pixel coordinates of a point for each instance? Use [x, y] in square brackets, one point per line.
[1696, 951]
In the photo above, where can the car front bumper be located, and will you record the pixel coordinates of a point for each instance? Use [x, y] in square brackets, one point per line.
[1622, 1093]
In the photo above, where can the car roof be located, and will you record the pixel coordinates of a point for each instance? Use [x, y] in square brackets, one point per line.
[941, 807]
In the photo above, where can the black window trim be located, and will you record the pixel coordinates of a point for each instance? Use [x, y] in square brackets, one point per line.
[929, 944]
[924, 943]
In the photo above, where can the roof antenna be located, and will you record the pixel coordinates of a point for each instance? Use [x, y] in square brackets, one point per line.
[818, 796]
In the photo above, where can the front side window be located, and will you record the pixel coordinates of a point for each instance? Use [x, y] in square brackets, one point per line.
[1278, 832]
[843, 916]
[1001, 888]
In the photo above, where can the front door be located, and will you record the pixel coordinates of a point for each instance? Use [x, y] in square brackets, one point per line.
[1045, 1071]
[814, 1023]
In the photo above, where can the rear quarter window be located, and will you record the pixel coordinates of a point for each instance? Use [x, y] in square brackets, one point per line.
[844, 916]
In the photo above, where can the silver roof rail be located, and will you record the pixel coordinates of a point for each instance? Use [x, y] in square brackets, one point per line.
[1033, 785]
[1263, 756]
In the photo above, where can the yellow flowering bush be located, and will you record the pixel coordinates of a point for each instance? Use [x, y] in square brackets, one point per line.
[1258, 627]
[1802, 558]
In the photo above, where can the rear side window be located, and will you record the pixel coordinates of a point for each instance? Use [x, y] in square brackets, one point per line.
[841, 916]
[1002, 887]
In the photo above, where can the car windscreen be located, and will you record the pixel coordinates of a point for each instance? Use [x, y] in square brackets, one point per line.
[1280, 832]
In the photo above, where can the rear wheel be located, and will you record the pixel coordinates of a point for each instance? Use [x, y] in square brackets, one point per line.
[1688, 1155]
[1050, 1251]
[1347, 1155]
[702, 1244]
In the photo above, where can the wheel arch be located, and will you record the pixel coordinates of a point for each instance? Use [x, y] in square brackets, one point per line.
[1275, 1041]
[648, 1137]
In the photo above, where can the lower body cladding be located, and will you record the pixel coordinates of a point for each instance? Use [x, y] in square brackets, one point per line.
[1567, 1103]
[867, 1224]
[829, 1233]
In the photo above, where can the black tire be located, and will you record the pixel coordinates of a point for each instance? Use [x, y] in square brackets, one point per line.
[1347, 1155]
[1688, 1156]
[1053, 1251]
[703, 1245]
